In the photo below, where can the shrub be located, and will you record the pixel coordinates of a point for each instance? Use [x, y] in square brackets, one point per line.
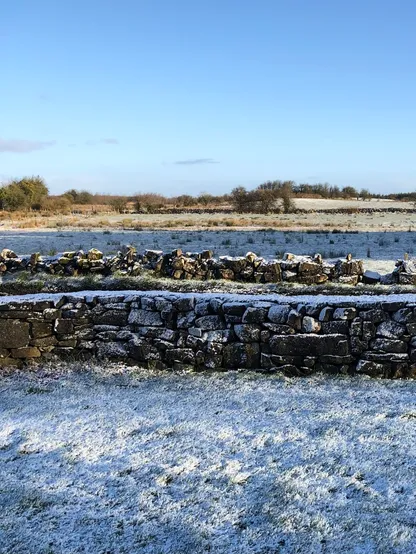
[79, 196]
[119, 204]
[23, 194]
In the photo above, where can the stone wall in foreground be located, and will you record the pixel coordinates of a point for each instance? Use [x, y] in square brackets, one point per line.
[294, 335]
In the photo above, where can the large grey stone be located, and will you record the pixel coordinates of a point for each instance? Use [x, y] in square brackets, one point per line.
[13, 334]
[111, 317]
[184, 355]
[142, 351]
[382, 357]
[390, 330]
[144, 317]
[309, 345]
[112, 350]
[202, 307]
[234, 308]
[371, 368]
[254, 315]
[43, 328]
[279, 313]
[184, 304]
[237, 355]
[249, 332]
[388, 345]
[335, 327]
[375, 315]
[405, 315]
[210, 322]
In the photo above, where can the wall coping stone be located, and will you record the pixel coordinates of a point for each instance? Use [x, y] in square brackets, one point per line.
[318, 300]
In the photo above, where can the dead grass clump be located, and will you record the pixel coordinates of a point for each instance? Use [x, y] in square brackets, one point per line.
[29, 224]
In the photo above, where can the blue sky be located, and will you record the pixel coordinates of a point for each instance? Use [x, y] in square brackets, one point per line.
[111, 95]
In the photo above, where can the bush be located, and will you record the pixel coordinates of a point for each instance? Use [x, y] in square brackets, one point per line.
[149, 202]
[58, 204]
[24, 194]
[267, 197]
[119, 204]
[79, 196]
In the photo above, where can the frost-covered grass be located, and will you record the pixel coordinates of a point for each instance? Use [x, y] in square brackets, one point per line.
[379, 250]
[131, 461]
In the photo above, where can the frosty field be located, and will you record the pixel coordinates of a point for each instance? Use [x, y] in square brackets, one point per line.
[378, 249]
[92, 217]
[128, 461]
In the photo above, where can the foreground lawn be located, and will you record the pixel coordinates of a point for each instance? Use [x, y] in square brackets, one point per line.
[118, 461]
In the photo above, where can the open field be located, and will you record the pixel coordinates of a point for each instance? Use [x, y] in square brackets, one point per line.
[334, 204]
[357, 221]
[379, 250]
[132, 461]
[93, 219]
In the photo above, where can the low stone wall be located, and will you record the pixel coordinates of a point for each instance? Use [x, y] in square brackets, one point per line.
[294, 335]
[202, 266]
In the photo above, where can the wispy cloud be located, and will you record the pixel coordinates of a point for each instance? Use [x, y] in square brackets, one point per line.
[196, 161]
[21, 146]
[102, 141]
[44, 97]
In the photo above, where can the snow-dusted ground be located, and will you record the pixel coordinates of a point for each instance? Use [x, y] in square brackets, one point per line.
[380, 250]
[145, 462]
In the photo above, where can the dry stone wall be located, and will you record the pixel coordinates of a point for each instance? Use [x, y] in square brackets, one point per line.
[294, 335]
[202, 266]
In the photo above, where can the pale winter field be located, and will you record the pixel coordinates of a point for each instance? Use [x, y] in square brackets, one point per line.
[111, 220]
[132, 461]
[379, 250]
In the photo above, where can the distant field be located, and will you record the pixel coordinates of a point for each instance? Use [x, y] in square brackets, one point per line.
[110, 220]
[320, 204]
[379, 249]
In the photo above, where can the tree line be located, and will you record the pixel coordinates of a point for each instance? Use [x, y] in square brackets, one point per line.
[32, 193]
